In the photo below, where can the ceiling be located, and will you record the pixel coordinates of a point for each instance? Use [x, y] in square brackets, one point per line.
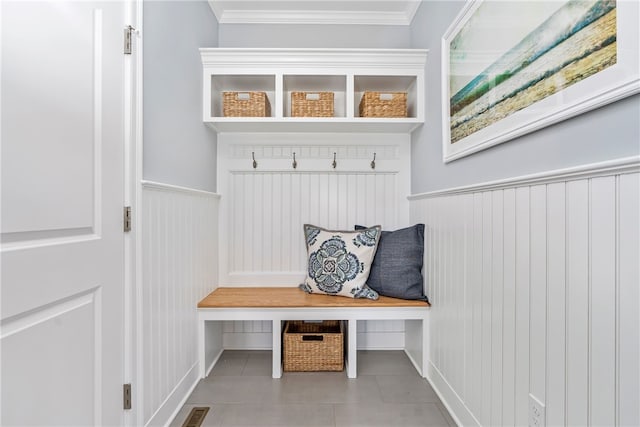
[373, 12]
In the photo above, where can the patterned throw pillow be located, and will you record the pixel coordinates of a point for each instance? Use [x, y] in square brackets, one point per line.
[339, 261]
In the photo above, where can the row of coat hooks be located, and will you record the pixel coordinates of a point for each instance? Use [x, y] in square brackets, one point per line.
[334, 164]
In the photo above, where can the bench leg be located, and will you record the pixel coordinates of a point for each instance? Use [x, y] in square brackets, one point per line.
[352, 350]
[202, 336]
[276, 351]
[425, 345]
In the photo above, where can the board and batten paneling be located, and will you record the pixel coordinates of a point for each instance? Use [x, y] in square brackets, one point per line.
[263, 210]
[179, 268]
[534, 290]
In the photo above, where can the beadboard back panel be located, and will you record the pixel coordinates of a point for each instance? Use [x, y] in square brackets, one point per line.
[263, 210]
[179, 268]
[534, 292]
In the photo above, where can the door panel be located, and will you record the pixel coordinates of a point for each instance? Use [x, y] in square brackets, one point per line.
[62, 197]
[33, 348]
[49, 106]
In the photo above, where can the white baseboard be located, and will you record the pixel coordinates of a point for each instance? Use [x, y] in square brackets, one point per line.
[175, 395]
[246, 340]
[214, 360]
[415, 364]
[450, 399]
[168, 410]
[380, 340]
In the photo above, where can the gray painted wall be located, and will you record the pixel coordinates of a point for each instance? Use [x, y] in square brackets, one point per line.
[314, 36]
[178, 147]
[607, 133]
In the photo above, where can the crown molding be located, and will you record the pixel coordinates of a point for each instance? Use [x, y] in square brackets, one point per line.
[226, 14]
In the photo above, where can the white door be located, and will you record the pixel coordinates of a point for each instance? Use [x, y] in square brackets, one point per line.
[62, 198]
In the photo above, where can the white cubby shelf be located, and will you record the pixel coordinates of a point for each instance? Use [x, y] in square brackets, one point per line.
[348, 73]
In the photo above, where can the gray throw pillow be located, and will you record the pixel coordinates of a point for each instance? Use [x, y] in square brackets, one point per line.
[397, 266]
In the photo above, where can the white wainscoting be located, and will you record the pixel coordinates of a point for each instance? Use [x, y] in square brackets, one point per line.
[534, 290]
[263, 209]
[179, 267]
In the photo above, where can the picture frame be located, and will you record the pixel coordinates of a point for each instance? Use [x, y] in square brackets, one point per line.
[508, 70]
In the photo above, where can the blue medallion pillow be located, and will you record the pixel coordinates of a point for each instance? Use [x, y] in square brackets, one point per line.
[339, 261]
[397, 267]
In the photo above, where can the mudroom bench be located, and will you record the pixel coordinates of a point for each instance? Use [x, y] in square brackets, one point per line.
[278, 304]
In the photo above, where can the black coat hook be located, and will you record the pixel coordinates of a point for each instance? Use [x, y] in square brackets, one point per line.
[334, 164]
[253, 156]
[373, 162]
[295, 164]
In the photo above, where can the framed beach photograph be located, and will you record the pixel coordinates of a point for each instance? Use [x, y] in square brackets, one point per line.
[512, 67]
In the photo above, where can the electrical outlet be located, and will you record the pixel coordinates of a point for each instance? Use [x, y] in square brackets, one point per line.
[536, 412]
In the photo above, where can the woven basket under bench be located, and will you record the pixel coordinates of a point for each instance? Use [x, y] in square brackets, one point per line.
[311, 346]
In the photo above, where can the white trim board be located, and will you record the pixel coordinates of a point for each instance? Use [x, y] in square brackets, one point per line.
[176, 188]
[610, 167]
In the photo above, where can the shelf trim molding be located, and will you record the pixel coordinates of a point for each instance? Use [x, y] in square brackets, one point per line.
[314, 57]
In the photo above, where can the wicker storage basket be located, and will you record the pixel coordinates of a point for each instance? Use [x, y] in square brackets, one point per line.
[313, 346]
[311, 104]
[246, 104]
[383, 104]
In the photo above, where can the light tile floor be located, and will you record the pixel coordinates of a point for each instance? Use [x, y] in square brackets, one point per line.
[388, 392]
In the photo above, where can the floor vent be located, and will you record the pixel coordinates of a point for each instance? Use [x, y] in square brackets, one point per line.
[196, 416]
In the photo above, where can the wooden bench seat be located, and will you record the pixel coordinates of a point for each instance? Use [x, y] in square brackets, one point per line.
[292, 297]
[279, 304]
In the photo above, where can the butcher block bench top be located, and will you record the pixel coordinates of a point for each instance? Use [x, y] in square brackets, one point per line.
[292, 297]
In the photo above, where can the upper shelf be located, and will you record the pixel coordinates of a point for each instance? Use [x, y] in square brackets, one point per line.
[347, 73]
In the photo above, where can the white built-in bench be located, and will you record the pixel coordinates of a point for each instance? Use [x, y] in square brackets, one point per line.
[279, 304]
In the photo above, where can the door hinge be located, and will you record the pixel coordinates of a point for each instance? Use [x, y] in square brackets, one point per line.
[127, 218]
[128, 39]
[126, 396]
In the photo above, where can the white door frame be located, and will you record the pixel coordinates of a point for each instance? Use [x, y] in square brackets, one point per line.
[132, 196]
